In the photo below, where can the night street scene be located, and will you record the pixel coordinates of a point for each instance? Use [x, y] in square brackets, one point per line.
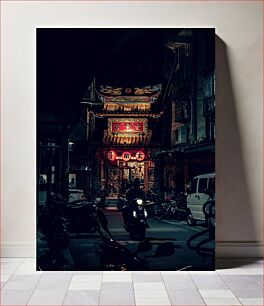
[125, 149]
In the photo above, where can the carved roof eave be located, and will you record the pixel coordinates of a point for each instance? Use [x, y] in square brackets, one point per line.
[111, 99]
[144, 115]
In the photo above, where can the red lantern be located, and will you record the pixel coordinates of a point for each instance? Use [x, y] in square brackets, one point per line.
[111, 155]
[140, 156]
[126, 156]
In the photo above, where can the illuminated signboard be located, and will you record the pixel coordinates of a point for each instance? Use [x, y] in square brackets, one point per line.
[127, 126]
[132, 127]
[111, 155]
[126, 156]
[140, 156]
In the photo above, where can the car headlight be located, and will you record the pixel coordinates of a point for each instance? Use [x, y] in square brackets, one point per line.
[139, 201]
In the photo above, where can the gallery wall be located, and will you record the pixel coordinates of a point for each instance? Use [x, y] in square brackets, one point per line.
[239, 89]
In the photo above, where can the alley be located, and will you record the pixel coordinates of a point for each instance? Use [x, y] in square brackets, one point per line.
[85, 247]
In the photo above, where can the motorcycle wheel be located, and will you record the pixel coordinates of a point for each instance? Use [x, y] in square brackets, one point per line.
[190, 221]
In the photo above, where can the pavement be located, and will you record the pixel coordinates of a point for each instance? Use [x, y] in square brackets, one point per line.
[84, 248]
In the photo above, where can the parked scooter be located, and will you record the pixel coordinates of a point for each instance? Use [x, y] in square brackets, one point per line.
[135, 218]
[80, 217]
[121, 202]
[53, 226]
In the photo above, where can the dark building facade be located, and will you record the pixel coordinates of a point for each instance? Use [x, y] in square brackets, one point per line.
[189, 68]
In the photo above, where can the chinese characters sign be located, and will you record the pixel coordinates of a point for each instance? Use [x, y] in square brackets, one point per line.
[126, 156]
[132, 127]
[111, 155]
[127, 126]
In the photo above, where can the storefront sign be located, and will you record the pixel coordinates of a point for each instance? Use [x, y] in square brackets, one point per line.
[140, 156]
[127, 126]
[111, 155]
[126, 156]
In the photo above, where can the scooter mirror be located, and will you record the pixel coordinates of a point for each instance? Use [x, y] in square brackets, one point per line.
[165, 249]
[144, 246]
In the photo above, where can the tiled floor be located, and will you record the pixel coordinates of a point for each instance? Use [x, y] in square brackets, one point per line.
[235, 282]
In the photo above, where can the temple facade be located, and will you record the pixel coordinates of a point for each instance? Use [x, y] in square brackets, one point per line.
[126, 148]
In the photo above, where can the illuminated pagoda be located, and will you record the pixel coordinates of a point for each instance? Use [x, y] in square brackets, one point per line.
[125, 151]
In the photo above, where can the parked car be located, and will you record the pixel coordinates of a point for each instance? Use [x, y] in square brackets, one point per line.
[201, 187]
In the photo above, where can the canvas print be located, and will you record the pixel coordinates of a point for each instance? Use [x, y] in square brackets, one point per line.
[125, 149]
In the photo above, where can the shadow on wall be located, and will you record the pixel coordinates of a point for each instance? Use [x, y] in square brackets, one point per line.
[234, 215]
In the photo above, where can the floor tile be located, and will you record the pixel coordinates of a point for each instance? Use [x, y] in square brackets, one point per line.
[153, 294]
[47, 297]
[117, 278]
[117, 286]
[185, 297]
[178, 273]
[87, 297]
[31, 278]
[85, 286]
[203, 273]
[258, 279]
[251, 301]
[217, 293]
[149, 286]
[120, 273]
[248, 293]
[58, 281]
[178, 282]
[222, 301]
[240, 282]
[209, 282]
[146, 276]
[118, 297]
[5, 277]
[87, 278]
[27, 268]
[15, 297]
[149, 301]
[20, 285]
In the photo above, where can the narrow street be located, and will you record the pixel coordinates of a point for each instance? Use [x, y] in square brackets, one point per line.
[85, 250]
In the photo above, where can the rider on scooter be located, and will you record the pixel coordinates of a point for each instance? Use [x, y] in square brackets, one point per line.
[132, 193]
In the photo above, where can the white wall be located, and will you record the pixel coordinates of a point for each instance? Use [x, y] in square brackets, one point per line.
[239, 106]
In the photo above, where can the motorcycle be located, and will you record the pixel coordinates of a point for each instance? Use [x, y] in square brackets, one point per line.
[80, 217]
[135, 218]
[209, 212]
[173, 208]
[52, 224]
